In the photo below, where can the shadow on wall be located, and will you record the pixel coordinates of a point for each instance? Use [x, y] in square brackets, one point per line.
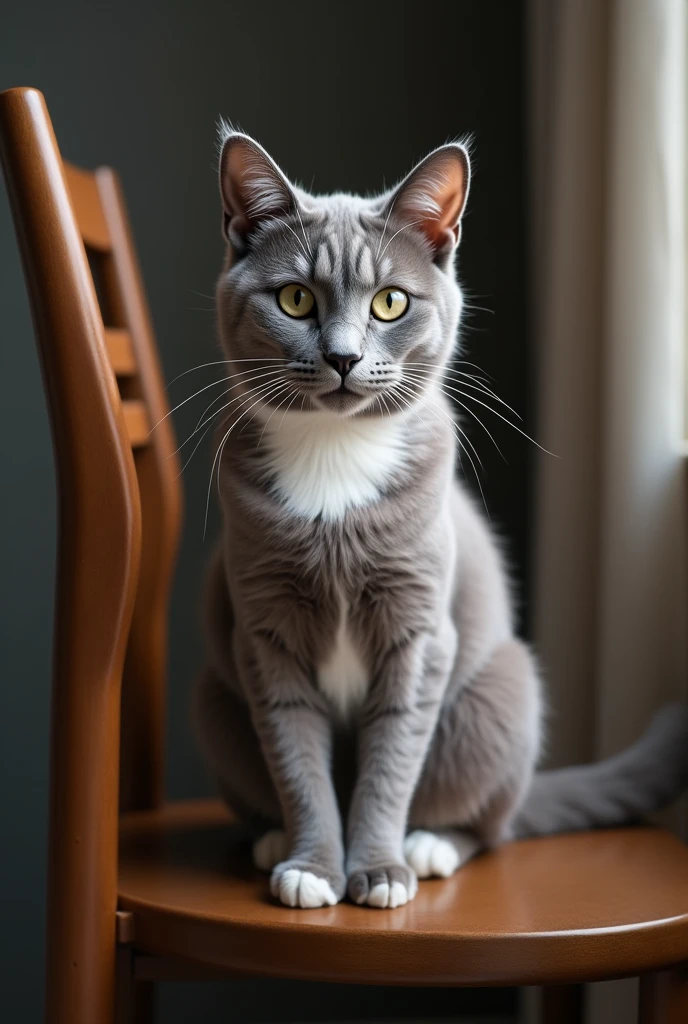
[344, 99]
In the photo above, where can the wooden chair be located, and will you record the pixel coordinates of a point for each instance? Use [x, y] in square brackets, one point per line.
[179, 900]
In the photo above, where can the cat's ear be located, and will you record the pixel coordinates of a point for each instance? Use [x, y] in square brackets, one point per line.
[433, 197]
[252, 187]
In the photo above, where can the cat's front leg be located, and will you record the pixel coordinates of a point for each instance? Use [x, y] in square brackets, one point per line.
[296, 738]
[396, 726]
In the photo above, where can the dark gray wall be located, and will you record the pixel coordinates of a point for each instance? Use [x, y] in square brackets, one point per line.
[343, 93]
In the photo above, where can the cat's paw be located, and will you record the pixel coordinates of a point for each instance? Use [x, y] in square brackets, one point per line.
[430, 855]
[299, 883]
[389, 886]
[270, 849]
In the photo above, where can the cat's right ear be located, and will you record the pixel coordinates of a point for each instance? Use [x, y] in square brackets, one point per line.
[252, 187]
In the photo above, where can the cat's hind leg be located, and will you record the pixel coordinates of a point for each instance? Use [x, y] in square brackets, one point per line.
[233, 753]
[270, 850]
[439, 854]
[479, 765]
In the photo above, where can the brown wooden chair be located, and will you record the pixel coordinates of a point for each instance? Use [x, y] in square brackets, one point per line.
[179, 900]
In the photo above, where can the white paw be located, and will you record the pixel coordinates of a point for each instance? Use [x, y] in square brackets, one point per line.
[385, 895]
[297, 888]
[383, 887]
[430, 855]
[270, 849]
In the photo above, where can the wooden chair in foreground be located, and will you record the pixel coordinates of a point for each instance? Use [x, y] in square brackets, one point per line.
[159, 892]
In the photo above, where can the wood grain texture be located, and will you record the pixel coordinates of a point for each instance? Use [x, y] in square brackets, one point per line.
[566, 909]
[99, 540]
[158, 469]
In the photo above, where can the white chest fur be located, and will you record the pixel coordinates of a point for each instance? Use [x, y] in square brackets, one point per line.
[326, 464]
[342, 677]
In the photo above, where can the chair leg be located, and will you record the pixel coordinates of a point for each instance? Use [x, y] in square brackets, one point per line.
[664, 997]
[135, 1002]
[562, 1004]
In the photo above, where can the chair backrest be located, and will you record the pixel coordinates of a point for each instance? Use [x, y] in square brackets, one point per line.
[119, 503]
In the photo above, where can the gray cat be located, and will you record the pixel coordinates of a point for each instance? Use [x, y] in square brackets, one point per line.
[366, 706]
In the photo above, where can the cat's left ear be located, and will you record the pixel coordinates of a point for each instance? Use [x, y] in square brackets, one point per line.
[433, 197]
[252, 186]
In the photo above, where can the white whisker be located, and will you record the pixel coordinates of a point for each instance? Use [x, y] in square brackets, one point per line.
[294, 234]
[239, 383]
[453, 374]
[305, 236]
[489, 407]
[251, 392]
[265, 427]
[448, 418]
[248, 422]
[387, 408]
[379, 403]
[482, 309]
[226, 362]
[413, 224]
[257, 390]
[411, 408]
[194, 450]
[459, 362]
[218, 453]
[384, 229]
[420, 380]
[295, 396]
[458, 433]
[200, 391]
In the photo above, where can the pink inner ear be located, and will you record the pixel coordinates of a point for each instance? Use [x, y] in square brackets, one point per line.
[435, 195]
[235, 173]
[452, 196]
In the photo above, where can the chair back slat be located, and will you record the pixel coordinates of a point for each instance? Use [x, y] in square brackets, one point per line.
[88, 208]
[137, 422]
[120, 351]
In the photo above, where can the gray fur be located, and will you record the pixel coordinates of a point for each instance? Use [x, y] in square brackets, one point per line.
[446, 732]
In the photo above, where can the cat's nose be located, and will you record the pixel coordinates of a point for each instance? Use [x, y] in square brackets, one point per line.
[343, 364]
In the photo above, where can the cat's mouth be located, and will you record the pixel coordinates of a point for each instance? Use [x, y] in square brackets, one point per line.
[342, 399]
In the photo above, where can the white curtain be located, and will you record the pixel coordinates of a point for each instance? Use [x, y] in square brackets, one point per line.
[608, 178]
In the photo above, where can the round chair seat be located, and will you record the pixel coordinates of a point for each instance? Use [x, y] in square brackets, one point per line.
[564, 909]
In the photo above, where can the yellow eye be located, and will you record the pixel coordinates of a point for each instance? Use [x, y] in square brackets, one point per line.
[390, 304]
[295, 300]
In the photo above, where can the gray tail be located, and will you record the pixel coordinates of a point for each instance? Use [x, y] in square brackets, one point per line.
[645, 777]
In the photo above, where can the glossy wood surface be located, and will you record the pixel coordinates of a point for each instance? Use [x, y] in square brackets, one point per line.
[99, 536]
[566, 909]
[120, 351]
[117, 481]
[158, 472]
[136, 421]
[87, 207]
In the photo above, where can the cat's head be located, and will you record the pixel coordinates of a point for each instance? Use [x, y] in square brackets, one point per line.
[338, 302]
